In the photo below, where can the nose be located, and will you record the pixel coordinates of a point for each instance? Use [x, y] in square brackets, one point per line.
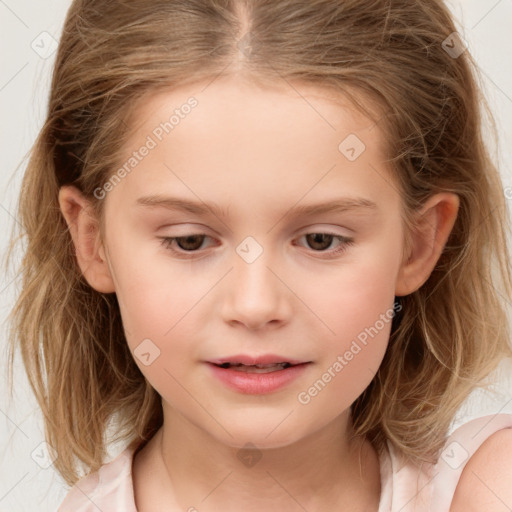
[255, 295]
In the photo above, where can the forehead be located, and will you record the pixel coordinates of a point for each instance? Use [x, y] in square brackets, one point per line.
[286, 139]
[265, 103]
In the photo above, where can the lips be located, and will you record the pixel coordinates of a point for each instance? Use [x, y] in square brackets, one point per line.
[256, 368]
[257, 375]
[256, 364]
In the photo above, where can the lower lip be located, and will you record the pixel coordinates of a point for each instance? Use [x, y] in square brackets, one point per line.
[257, 383]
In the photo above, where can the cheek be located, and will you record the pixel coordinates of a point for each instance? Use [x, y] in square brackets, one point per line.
[355, 305]
[156, 308]
[351, 356]
[154, 296]
[352, 297]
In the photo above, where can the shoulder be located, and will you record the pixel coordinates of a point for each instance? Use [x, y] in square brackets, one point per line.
[486, 481]
[473, 470]
[109, 488]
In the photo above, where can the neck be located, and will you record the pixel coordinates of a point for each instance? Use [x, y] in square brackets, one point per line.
[328, 468]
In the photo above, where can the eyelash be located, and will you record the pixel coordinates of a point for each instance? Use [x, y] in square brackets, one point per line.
[167, 242]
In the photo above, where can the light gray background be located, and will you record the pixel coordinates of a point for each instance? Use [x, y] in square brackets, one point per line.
[25, 70]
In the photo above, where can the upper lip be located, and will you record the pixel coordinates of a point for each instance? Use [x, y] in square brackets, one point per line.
[249, 360]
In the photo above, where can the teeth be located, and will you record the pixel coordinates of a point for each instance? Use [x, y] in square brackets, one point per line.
[257, 368]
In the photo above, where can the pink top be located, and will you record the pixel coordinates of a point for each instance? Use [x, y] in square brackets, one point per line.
[409, 488]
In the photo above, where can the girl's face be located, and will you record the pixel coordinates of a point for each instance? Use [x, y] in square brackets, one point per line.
[259, 275]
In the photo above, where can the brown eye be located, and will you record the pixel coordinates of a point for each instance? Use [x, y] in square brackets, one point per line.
[189, 243]
[319, 241]
[322, 243]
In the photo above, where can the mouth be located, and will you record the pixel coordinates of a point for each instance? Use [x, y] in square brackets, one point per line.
[268, 363]
[256, 368]
[257, 375]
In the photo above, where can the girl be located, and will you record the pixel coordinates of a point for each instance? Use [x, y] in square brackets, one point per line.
[267, 249]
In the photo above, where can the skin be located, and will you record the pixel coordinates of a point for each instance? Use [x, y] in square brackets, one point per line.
[257, 152]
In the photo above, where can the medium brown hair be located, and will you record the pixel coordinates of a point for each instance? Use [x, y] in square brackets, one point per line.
[450, 334]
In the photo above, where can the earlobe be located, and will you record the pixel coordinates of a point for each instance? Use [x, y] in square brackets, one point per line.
[84, 229]
[435, 221]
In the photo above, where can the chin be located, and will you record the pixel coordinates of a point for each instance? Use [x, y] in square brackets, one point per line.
[251, 439]
[264, 431]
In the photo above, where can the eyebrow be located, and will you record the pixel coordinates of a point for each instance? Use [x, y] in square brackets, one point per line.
[201, 208]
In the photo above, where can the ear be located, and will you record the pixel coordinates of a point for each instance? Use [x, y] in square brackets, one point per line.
[435, 221]
[84, 228]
